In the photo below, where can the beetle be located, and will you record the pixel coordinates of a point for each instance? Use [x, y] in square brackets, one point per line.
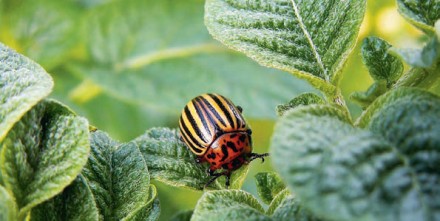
[214, 129]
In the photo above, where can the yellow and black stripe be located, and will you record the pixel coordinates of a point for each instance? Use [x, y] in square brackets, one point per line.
[207, 116]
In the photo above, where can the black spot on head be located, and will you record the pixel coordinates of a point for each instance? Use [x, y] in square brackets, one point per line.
[213, 163]
[211, 156]
[225, 166]
[233, 135]
[242, 138]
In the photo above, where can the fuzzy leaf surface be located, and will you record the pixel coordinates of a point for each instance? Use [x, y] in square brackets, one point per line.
[365, 98]
[44, 30]
[269, 184]
[132, 68]
[43, 153]
[302, 99]
[171, 162]
[75, 203]
[346, 173]
[296, 36]
[422, 58]
[291, 209]
[381, 64]
[182, 216]
[119, 180]
[8, 208]
[421, 13]
[23, 83]
[410, 120]
[228, 205]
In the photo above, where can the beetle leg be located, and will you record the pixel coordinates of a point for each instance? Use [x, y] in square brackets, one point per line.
[256, 155]
[240, 109]
[217, 175]
[228, 177]
[214, 177]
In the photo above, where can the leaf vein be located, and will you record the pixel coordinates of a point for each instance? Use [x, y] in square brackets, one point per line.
[310, 40]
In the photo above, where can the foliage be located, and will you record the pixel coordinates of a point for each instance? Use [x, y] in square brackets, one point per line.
[383, 165]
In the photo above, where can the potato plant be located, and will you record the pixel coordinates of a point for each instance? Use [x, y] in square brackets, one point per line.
[55, 165]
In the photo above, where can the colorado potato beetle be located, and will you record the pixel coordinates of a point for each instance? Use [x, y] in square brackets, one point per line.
[214, 129]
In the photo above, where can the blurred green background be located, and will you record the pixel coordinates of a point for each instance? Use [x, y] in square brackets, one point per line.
[129, 65]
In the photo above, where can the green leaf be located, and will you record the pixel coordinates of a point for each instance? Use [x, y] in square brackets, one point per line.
[296, 36]
[228, 205]
[291, 209]
[150, 211]
[76, 202]
[404, 94]
[131, 68]
[182, 216]
[421, 13]
[8, 208]
[374, 91]
[302, 99]
[118, 178]
[345, 173]
[44, 30]
[199, 73]
[277, 201]
[381, 64]
[23, 83]
[410, 120]
[43, 153]
[239, 205]
[269, 184]
[171, 162]
[426, 57]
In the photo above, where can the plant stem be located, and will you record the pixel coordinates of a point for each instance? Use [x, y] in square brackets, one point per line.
[337, 99]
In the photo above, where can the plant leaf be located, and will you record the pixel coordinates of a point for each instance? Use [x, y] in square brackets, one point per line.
[76, 202]
[346, 173]
[410, 120]
[182, 216]
[289, 208]
[302, 99]
[381, 64]
[129, 69]
[295, 36]
[44, 30]
[43, 153]
[240, 205]
[8, 208]
[23, 83]
[228, 205]
[170, 161]
[277, 200]
[404, 94]
[200, 73]
[118, 177]
[374, 91]
[269, 184]
[421, 13]
[150, 211]
[426, 57]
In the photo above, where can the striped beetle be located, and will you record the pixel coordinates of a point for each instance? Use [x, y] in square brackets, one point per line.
[213, 128]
